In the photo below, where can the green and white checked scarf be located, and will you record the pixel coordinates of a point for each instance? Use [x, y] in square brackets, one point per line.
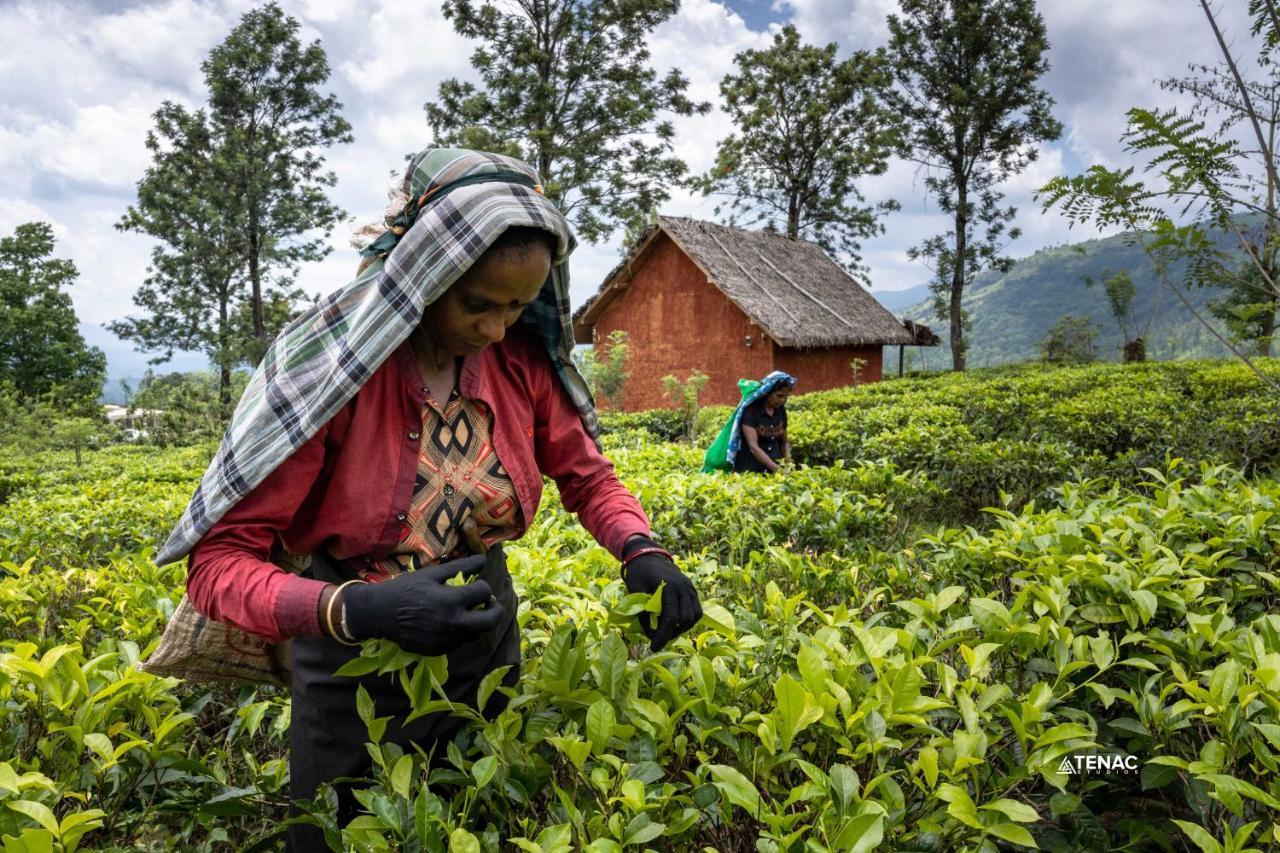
[319, 362]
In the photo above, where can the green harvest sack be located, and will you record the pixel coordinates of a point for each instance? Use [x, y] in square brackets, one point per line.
[716, 458]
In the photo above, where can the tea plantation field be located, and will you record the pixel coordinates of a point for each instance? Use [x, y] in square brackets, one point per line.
[1016, 609]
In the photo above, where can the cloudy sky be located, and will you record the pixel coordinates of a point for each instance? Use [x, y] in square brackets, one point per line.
[80, 80]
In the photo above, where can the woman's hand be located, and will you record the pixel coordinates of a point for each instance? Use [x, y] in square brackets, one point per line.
[420, 612]
[681, 609]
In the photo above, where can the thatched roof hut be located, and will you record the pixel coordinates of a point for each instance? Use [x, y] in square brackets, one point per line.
[734, 304]
[791, 288]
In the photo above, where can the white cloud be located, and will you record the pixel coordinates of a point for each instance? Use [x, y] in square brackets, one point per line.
[854, 24]
[701, 41]
[112, 264]
[18, 211]
[71, 133]
[102, 148]
[409, 46]
[330, 11]
[162, 43]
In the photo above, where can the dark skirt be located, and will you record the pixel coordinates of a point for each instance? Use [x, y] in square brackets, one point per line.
[326, 735]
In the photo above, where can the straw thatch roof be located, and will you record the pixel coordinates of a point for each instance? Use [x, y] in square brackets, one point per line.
[790, 288]
[924, 336]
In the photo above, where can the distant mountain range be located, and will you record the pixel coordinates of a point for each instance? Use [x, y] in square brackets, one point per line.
[1011, 313]
[898, 300]
[124, 362]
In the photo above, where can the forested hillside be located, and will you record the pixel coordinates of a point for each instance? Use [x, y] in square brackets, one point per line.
[1010, 313]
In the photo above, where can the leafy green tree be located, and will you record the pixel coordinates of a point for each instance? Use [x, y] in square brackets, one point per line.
[808, 126]
[606, 370]
[77, 434]
[235, 195]
[1121, 292]
[41, 348]
[966, 85]
[567, 86]
[194, 287]
[1070, 341]
[1200, 169]
[273, 122]
[43, 421]
[686, 396]
[183, 408]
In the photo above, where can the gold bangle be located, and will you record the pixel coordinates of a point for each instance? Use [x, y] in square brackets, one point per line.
[327, 624]
[328, 615]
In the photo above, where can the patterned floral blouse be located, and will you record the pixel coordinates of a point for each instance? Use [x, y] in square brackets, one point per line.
[459, 477]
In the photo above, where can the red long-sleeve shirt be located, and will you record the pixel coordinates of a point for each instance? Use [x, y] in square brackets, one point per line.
[348, 488]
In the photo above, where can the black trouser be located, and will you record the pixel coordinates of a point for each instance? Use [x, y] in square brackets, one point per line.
[327, 737]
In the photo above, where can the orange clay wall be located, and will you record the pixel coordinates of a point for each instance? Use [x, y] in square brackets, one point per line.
[676, 322]
[829, 367]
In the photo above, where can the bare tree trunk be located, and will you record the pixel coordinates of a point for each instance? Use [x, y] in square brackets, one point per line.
[255, 278]
[224, 354]
[1268, 329]
[957, 280]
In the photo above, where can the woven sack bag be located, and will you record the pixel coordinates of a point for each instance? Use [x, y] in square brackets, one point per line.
[197, 648]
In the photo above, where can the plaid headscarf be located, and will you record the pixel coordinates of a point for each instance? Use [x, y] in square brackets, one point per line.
[321, 359]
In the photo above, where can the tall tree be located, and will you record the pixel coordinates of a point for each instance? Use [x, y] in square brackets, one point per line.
[808, 127]
[267, 111]
[194, 289]
[235, 195]
[42, 353]
[566, 85]
[967, 73]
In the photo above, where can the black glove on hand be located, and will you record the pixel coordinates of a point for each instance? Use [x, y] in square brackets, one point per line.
[680, 607]
[419, 612]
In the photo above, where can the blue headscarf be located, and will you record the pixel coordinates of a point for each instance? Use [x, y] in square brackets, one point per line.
[768, 385]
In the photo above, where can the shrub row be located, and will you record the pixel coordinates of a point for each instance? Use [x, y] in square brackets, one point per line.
[839, 694]
[1005, 436]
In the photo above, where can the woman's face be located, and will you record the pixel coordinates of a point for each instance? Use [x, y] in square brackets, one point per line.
[481, 305]
[778, 396]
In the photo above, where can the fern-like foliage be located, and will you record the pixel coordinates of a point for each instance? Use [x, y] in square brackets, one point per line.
[1266, 23]
[1199, 167]
[1105, 197]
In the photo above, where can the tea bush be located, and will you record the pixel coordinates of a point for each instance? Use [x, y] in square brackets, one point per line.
[1010, 434]
[1020, 431]
[662, 424]
[1142, 413]
[866, 676]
